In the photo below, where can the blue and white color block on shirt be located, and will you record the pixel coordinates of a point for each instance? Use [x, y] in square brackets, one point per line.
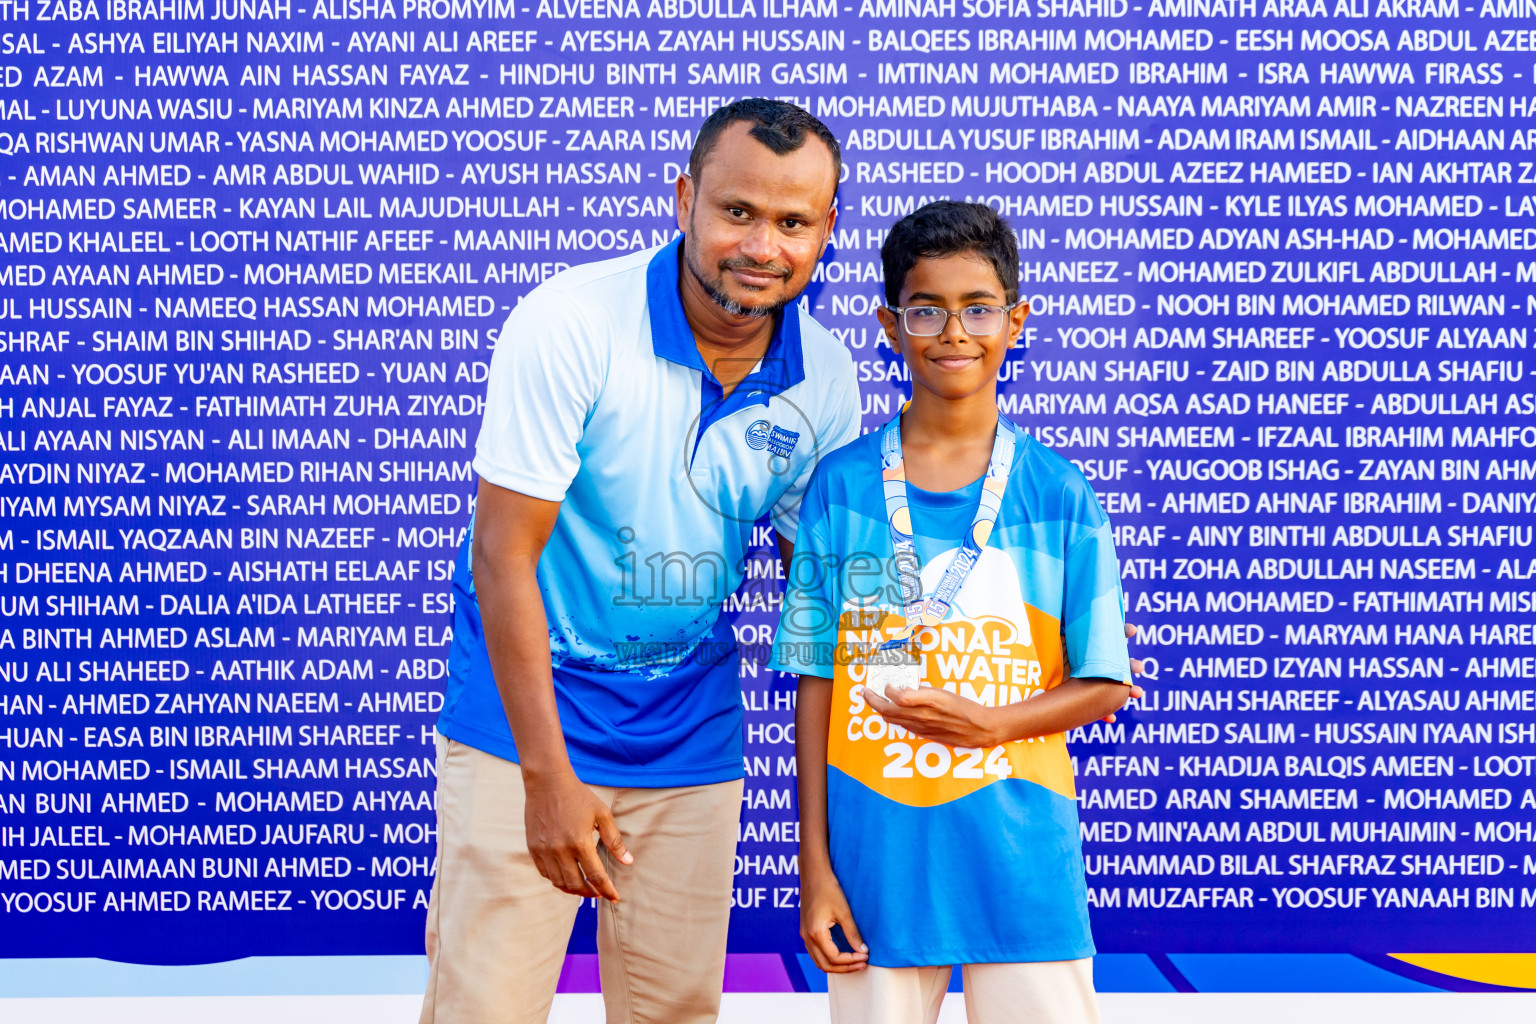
[598, 399]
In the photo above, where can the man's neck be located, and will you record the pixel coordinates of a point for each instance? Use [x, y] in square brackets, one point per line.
[729, 345]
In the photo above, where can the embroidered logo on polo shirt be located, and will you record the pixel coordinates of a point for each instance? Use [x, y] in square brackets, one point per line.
[758, 434]
[781, 442]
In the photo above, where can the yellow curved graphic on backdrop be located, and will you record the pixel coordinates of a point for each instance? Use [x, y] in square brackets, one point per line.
[1512, 970]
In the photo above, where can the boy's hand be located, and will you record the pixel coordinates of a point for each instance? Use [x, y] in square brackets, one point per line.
[822, 905]
[1136, 690]
[936, 714]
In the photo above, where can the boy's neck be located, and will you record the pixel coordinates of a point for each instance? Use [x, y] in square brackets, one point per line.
[931, 420]
[947, 444]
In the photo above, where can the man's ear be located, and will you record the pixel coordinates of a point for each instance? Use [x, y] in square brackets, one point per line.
[684, 186]
[826, 237]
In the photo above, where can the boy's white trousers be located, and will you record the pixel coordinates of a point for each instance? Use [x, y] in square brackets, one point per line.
[1055, 992]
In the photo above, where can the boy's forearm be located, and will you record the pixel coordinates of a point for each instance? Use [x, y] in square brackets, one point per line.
[813, 711]
[1075, 702]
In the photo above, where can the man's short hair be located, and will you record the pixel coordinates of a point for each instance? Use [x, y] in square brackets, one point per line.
[946, 228]
[782, 127]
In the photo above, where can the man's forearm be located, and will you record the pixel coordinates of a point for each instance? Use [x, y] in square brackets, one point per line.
[517, 640]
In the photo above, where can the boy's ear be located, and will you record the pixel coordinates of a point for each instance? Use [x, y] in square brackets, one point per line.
[1016, 317]
[888, 322]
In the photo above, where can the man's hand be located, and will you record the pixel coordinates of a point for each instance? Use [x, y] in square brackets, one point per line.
[563, 819]
[822, 905]
[560, 814]
[936, 714]
[1136, 690]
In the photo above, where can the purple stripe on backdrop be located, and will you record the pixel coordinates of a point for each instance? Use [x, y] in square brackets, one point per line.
[744, 972]
[579, 974]
[756, 972]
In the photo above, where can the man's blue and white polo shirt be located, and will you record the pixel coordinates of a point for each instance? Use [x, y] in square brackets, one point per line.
[598, 399]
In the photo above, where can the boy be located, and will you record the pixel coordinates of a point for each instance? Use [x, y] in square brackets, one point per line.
[953, 607]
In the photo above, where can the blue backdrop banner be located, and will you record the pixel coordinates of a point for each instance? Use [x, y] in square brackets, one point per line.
[1279, 257]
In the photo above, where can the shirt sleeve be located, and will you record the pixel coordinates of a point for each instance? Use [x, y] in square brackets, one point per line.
[544, 379]
[839, 424]
[807, 630]
[1092, 609]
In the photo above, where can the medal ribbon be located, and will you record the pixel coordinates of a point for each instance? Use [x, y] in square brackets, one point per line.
[930, 610]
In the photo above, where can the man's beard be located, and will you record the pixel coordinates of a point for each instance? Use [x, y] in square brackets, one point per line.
[716, 288]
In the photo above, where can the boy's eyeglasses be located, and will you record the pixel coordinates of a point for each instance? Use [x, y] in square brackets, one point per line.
[978, 319]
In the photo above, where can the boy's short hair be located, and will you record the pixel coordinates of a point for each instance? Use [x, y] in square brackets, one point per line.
[782, 127]
[945, 228]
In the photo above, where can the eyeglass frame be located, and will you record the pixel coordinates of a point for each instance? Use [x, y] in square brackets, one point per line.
[901, 316]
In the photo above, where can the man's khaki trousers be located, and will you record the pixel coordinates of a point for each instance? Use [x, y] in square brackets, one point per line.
[497, 930]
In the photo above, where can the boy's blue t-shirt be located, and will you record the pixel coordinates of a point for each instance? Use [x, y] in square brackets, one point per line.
[954, 855]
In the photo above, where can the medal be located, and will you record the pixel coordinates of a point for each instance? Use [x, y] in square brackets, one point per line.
[891, 668]
[893, 663]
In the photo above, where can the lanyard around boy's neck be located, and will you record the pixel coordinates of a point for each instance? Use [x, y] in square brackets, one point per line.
[930, 611]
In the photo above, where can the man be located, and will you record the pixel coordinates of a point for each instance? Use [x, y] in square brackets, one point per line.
[642, 414]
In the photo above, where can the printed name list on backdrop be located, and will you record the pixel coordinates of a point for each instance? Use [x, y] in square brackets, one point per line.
[256, 253]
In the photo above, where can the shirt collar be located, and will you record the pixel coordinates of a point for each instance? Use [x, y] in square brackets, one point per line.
[783, 365]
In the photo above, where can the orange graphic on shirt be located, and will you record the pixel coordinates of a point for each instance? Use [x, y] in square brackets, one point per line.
[986, 659]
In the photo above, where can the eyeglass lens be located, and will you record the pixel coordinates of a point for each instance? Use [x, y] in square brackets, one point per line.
[926, 321]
